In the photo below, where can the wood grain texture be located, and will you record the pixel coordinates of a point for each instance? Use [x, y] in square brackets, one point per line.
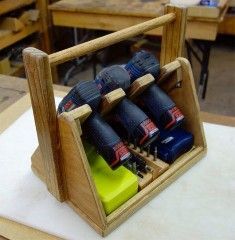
[167, 70]
[173, 35]
[80, 188]
[154, 188]
[15, 231]
[12, 24]
[42, 97]
[10, 5]
[196, 28]
[145, 181]
[45, 24]
[81, 113]
[138, 8]
[157, 165]
[110, 100]
[186, 99]
[131, 8]
[227, 26]
[110, 39]
[10, 114]
[139, 85]
[12, 38]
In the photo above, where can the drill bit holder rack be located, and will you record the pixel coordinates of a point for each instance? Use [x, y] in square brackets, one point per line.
[60, 160]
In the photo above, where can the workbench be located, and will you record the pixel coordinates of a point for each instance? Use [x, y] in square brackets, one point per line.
[113, 15]
[14, 90]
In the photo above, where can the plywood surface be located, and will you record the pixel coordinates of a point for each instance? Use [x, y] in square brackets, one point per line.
[151, 8]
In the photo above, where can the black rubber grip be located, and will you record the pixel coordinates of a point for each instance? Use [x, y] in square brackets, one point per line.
[106, 140]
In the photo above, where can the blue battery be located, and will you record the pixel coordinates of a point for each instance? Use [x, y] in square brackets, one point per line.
[172, 144]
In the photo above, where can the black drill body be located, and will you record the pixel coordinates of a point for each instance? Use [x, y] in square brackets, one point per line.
[158, 105]
[136, 124]
[97, 131]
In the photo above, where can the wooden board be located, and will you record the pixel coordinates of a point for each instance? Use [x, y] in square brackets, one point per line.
[10, 5]
[15, 37]
[137, 8]
[15, 231]
[205, 29]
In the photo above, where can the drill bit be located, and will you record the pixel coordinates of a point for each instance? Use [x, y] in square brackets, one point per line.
[134, 168]
[128, 140]
[139, 174]
[148, 150]
[155, 153]
[148, 168]
[135, 143]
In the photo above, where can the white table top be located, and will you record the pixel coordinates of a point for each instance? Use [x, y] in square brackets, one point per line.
[199, 205]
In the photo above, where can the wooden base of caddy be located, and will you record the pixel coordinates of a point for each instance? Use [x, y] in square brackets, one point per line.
[61, 162]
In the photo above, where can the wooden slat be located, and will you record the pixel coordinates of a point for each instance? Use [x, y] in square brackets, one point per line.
[81, 113]
[110, 100]
[12, 24]
[15, 231]
[12, 38]
[41, 91]
[167, 69]
[10, 5]
[139, 85]
[110, 39]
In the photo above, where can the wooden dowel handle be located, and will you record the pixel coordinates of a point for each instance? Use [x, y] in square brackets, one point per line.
[110, 39]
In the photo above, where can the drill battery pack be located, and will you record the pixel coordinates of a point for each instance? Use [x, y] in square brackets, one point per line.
[171, 144]
[113, 186]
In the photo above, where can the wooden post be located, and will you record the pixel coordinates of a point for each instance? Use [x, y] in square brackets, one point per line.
[173, 35]
[42, 97]
[45, 21]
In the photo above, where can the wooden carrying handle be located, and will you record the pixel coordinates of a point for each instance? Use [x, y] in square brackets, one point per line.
[110, 39]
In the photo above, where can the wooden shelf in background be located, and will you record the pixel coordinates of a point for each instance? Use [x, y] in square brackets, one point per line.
[10, 5]
[15, 37]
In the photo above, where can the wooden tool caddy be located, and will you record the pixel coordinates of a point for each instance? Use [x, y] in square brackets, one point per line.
[60, 160]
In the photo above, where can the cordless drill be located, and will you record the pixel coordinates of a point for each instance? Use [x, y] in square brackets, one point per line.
[106, 140]
[158, 105]
[136, 125]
